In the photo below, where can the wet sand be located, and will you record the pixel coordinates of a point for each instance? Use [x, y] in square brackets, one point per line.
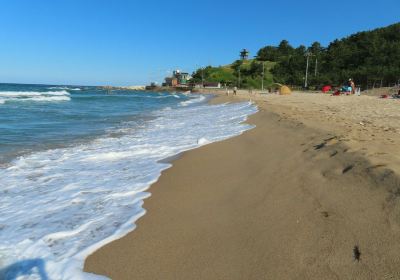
[290, 199]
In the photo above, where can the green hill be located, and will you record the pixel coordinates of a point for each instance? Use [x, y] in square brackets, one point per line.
[250, 74]
[371, 58]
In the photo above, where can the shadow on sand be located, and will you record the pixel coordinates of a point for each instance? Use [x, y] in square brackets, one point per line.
[25, 267]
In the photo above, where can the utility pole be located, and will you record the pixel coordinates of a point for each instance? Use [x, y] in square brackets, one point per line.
[262, 81]
[239, 78]
[202, 77]
[308, 54]
[306, 79]
[316, 66]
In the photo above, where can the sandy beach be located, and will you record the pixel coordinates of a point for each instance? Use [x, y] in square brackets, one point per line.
[311, 193]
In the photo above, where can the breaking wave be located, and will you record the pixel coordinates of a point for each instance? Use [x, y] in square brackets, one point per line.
[62, 204]
[35, 96]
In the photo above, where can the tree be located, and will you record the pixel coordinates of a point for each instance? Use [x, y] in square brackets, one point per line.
[284, 49]
[371, 57]
[368, 57]
[268, 53]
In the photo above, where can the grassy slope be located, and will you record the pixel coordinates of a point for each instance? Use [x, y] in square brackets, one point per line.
[226, 73]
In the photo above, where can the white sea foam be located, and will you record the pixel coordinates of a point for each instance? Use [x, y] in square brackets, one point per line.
[203, 141]
[58, 206]
[32, 93]
[64, 88]
[200, 98]
[165, 96]
[46, 96]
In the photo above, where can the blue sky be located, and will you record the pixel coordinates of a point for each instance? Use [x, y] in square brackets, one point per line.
[121, 42]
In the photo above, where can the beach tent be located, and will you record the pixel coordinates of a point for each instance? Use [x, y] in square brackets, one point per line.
[285, 90]
[326, 88]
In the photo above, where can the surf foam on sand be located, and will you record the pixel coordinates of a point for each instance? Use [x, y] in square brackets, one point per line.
[60, 205]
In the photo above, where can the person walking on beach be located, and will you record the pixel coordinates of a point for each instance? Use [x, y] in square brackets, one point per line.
[234, 90]
[227, 91]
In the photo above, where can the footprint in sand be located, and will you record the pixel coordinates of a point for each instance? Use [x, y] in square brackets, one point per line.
[334, 153]
[376, 166]
[325, 214]
[319, 146]
[356, 253]
[347, 169]
[327, 142]
[331, 141]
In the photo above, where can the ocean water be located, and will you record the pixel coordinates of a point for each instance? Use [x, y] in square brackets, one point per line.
[76, 164]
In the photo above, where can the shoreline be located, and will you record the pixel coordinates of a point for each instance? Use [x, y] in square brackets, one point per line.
[285, 199]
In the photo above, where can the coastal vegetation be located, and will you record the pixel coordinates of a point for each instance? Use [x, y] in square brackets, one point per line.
[250, 75]
[371, 58]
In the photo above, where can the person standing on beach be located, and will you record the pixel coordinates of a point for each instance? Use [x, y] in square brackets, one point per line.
[234, 90]
[353, 86]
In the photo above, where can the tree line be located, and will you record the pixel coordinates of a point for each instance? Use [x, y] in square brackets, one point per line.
[371, 58]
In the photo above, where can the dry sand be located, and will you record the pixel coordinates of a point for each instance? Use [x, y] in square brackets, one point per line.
[289, 199]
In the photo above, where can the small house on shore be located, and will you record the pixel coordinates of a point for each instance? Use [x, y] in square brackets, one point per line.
[171, 82]
[182, 77]
[178, 79]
